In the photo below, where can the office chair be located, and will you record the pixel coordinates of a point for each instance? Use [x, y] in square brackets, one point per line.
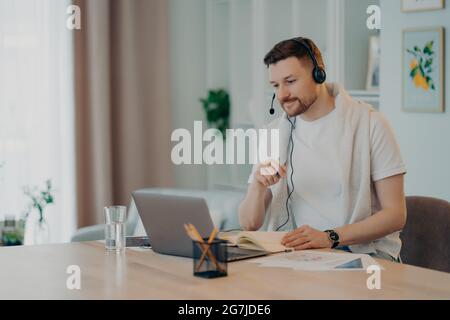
[426, 235]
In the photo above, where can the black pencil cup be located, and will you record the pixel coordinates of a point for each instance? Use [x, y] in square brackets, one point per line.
[210, 260]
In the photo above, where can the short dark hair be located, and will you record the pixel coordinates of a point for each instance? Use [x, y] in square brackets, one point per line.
[291, 48]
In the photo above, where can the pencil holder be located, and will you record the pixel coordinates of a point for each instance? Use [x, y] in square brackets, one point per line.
[210, 259]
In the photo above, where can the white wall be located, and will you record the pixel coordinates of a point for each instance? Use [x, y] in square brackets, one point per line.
[423, 138]
[312, 22]
[356, 43]
[188, 77]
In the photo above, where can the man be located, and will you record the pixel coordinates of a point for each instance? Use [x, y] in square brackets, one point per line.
[340, 180]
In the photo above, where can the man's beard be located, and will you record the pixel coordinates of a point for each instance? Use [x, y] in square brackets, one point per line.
[297, 109]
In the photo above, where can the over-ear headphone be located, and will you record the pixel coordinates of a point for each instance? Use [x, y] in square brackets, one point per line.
[319, 74]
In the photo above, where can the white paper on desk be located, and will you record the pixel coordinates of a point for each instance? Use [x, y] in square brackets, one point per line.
[309, 260]
[305, 260]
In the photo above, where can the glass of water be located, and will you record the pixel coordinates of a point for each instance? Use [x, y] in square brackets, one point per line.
[115, 217]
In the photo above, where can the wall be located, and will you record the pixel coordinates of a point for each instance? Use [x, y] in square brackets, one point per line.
[356, 43]
[188, 77]
[312, 22]
[423, 138]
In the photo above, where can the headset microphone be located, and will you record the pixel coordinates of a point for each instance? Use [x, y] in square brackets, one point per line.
[272, 110]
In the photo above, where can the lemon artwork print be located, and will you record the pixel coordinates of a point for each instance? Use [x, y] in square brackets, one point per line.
[421, 66]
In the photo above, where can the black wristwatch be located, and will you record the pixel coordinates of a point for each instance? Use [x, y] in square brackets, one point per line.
[334, 237]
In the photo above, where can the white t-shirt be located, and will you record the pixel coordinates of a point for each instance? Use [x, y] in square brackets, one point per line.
[316, 169]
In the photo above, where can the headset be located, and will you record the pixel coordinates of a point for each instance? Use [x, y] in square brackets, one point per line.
[319, 76]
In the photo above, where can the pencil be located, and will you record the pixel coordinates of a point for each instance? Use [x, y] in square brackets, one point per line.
[195, 235]
[210, 240]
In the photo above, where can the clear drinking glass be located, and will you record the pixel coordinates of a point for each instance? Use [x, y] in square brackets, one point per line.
[115, 217]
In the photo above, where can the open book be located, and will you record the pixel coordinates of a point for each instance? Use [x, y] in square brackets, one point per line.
[256, 240]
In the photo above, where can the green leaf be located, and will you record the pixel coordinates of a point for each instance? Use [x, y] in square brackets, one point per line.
[217, 109]
[430, 82]
[417, 49]
[429, 48]
[414, 72]
[422, 72]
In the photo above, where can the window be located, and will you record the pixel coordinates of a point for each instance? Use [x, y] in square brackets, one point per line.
[37, 109]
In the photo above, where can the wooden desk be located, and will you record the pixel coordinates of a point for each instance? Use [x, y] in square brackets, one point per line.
[39, 272]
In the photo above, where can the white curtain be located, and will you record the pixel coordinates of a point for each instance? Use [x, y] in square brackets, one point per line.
[37, 109]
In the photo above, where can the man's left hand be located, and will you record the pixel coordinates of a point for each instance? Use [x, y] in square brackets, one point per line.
[306, 237]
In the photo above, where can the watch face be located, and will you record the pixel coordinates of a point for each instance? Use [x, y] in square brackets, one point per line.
[334, 236]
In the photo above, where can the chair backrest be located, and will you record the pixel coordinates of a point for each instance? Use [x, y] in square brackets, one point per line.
[426, 236]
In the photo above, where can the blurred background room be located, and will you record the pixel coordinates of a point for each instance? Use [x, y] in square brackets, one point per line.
[87, 110]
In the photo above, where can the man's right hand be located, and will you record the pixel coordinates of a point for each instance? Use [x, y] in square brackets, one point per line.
[252, 210]
[269, 173]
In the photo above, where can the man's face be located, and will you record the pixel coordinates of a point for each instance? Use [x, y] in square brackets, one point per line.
[294, 85]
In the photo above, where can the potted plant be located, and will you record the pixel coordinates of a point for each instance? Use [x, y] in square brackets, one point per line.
[39, 199]
[217, 108]
[12, 233]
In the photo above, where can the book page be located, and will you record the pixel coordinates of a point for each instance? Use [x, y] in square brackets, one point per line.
[231, 236]
[257, 240]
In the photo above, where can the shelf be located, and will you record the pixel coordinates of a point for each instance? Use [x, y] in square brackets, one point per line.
[365, 93]
[367, 96]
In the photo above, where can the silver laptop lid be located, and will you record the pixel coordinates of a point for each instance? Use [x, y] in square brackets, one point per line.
[164, 216]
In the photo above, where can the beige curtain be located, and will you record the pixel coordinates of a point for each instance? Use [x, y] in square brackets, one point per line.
[122, 102]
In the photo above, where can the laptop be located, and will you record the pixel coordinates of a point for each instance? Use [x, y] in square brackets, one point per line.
[163, 217]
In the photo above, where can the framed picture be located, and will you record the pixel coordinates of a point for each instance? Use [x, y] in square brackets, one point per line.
[373, 70]
[423, 70]
[422, 5]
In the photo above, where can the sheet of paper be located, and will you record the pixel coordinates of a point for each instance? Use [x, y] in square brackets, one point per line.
[310, 260]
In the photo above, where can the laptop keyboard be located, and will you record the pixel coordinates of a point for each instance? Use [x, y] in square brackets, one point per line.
[235, 253]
